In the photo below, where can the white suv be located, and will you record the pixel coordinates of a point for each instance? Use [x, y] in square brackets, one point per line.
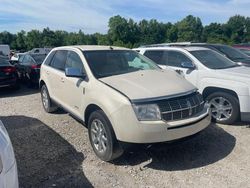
[121, 96]
[222, 82]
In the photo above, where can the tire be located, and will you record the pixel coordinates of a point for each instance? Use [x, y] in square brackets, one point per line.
[46, 101]
[102, 137]
[225, 108]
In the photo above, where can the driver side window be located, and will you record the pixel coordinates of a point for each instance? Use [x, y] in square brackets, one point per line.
[74, 61]
[175, 59]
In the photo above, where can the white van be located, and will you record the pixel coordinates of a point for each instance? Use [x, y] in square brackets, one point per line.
[4, 50]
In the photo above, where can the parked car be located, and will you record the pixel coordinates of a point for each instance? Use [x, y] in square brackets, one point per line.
[245, 48]
[4, 51]
[28, 68]
[121, 96]
[15, 58]
[42, 51]
[222, 82]
[228, 51]
[8, 167]
[8, 74]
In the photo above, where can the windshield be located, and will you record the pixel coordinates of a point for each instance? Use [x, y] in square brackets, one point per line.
[104, 63]
[38, 58]
[246, 51]
[212, 59]
[232, 53]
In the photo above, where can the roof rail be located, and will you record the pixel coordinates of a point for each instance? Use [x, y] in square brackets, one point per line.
[184, 43]
[155, 45]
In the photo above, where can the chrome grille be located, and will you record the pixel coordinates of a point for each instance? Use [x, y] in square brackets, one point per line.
[181, 107]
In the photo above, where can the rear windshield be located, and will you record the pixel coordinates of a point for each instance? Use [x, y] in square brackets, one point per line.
[104, 63]
[212, 59]
[38, 58]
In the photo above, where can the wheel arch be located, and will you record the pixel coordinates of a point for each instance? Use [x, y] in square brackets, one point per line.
[208, 90]
[89, 109]
[41, 83]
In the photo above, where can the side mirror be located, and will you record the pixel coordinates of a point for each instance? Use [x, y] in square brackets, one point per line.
[74, 72]
[188, 65]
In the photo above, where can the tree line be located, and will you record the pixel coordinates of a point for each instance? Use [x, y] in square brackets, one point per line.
[128, 33]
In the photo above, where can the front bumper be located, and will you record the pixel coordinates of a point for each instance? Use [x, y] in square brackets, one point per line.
[128, 129]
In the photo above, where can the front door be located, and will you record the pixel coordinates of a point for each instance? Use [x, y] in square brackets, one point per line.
[175, 60]
[74, 88]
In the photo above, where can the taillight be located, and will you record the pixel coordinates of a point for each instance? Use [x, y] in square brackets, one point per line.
[9, 69]
[35, 66]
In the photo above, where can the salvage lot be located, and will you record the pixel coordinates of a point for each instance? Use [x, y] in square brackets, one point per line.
[53, 150]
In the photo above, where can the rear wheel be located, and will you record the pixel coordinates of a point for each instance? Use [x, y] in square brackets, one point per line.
[47, 103]
[102, 137]
[224, 107]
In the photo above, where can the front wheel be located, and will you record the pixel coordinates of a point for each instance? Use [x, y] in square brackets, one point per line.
[102, 137]
[225, 107]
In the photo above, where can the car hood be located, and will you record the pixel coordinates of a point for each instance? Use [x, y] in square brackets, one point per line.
[149, 84]
[240, 72]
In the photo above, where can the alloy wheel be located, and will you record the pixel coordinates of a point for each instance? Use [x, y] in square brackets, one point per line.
[221, 108]
[99, 136]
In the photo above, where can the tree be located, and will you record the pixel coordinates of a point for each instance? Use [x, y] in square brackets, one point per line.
[20, 41]
[34, 39]
[189, 29]
[214, 33]
[237, 26]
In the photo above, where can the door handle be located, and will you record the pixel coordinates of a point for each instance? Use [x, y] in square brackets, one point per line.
[62, 80]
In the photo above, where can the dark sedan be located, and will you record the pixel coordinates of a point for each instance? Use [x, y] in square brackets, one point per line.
[228, 51]
[28, 68]
[8, 74]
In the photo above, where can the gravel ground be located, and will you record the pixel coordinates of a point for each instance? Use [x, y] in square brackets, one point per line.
[52, 150]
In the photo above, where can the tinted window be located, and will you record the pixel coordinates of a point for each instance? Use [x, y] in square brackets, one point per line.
[74, 61]
[104, 63]
[232, 53]
[4, 61]
[59, 60]
[212, 59]
[157, 56]
[27, 60]
[246, 51]
[21, 57]
[176, 59]
[38, 58]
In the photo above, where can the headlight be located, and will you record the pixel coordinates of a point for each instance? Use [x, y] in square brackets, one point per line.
[1, 165]
[147, 112]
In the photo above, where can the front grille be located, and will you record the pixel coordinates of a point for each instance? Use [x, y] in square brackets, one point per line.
[181, 107]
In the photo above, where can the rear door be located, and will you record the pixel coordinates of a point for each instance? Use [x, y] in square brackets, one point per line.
[56, 76]
[158, 56]
[23, 67]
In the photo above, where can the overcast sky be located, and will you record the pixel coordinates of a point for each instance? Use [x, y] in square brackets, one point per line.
[93, 15]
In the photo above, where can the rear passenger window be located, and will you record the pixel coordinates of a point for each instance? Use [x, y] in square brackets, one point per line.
[59, 60]
[158, 56]
[74, 61]
[176, 59]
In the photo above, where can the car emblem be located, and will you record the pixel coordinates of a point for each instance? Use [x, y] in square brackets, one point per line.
[190, 108]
